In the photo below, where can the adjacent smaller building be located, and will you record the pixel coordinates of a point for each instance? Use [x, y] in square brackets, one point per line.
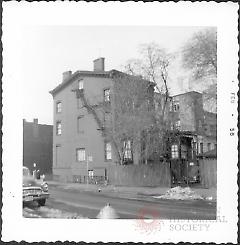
[37, 146]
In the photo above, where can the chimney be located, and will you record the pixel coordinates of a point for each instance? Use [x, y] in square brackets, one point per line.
[66, 75]
[35, 121]
[98, 64]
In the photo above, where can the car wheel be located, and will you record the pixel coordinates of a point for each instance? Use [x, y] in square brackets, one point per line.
[42, 202]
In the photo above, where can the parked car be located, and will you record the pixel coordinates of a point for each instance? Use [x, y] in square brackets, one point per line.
[34, 189]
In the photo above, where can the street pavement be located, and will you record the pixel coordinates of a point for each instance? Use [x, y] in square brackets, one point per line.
[87, 204]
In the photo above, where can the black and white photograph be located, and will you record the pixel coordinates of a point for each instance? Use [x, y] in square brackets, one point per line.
[125, 124]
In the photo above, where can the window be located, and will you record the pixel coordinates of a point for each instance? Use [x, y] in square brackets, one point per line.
[80, 154]
[178, 124]
[107, 119]
[79, 128]
[106, 94]
[184, 151]
[127, 150]
[201, 148]
[174, 151]
[59, 128]
[176, 106]
[209, 146]
[59, 107]
[108, 151]
[90, 173]
[58, 150]
[80, 84]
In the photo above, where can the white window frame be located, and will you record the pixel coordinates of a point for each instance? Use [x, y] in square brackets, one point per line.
[58, 128]
[176, 106]
[80, 84]
[106, 96]
[108, 151]
[127, 150]
[174, 151]
[59, 107]
[178, 124]
[80, 154]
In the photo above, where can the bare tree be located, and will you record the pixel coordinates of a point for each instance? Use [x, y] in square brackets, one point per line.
[199, 55]
[154, 66]
[126, 115]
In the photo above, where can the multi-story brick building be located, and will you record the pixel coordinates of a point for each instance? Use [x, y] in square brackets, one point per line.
[192, 132]
[187, 114]
[84, 107]
[37, 146]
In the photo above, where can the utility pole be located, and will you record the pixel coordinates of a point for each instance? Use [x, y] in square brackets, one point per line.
[87, 172]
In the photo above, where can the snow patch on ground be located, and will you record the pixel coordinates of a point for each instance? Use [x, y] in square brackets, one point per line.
[180, 193]
[30, 213]
[45, 212]
[56, 213]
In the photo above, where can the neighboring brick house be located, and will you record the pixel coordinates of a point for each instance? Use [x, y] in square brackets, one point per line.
[80, 147]
[191, 131]
[187, 114]
[37, 146]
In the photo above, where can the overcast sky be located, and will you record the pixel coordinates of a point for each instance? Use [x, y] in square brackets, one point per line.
[45, 52]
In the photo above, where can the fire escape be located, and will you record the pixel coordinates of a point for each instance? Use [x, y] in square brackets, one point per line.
[90, 108]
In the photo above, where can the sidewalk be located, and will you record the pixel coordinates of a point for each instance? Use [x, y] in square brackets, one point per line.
[130, 192]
